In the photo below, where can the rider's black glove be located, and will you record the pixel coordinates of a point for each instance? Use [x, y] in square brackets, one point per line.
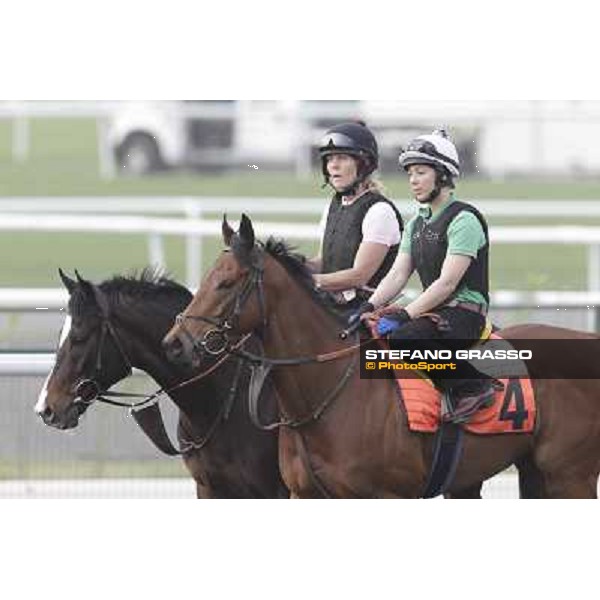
[365, 307]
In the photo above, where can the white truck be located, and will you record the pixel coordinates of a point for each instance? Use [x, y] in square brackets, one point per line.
[150, 136]
[217, 135]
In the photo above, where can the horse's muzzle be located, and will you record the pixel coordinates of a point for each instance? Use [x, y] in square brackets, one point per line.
[177, 352]
[66, 420]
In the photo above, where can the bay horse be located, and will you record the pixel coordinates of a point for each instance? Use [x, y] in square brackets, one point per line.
[346, 436]
[119, 324]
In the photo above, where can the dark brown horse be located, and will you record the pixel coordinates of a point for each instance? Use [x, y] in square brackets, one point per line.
[347, 436]
[119, 324]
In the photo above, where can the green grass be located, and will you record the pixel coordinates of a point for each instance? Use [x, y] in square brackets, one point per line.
[32, 260]
[79, 177]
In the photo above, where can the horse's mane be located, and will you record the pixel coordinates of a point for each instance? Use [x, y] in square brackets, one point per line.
[149, 283]
[293, 262]
[296, 265]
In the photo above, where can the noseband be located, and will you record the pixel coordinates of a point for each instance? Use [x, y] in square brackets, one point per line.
[216, 341]
[88, 390]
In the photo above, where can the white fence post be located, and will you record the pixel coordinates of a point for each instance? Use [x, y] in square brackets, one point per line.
[593, 276]
[105, 155]
[20, 138]
[302, 148]
[156, 251]
[193, 248]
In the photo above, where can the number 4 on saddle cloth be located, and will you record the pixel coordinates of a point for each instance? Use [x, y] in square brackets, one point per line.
[513, 410]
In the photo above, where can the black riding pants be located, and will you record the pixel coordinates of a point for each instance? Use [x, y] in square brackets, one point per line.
[456, 329]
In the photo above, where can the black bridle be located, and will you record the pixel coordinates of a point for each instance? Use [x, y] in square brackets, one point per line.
[89, 389]
[216, 340]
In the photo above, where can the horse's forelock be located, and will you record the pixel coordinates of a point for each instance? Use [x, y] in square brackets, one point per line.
[80, 301]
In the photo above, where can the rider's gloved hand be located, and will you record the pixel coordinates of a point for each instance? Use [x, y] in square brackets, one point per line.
[392, 321]
[365, 307]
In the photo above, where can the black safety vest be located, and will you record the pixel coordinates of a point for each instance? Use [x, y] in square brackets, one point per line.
[343, 235]
[429, 245]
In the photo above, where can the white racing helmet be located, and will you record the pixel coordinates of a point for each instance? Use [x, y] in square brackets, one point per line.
[434, 149]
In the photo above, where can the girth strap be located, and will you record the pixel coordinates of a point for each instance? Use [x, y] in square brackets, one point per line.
[446, 454]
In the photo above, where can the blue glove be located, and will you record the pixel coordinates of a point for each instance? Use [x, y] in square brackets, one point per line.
[365, 307]
[386, 325]
[392, 322]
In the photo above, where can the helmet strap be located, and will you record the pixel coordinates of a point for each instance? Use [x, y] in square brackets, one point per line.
[352, 189]
[441, 180]
[435, 192]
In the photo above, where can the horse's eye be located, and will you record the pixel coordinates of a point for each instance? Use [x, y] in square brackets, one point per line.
[77, 338]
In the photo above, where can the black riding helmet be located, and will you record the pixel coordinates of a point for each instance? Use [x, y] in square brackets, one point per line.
[355, 139]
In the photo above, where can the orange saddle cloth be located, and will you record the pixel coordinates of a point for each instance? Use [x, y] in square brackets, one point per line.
[513, 411]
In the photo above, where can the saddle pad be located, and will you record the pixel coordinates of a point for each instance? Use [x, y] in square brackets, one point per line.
[513, 410]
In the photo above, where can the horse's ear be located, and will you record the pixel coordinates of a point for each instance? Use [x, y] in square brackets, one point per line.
[86, 286]
[246, 232]
[93, 292]
[67, 281]
[227, 231]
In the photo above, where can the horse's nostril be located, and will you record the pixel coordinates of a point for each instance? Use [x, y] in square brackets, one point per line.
[173, 347]
[48, 416]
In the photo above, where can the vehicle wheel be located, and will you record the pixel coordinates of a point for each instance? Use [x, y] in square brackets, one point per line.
[139, 154]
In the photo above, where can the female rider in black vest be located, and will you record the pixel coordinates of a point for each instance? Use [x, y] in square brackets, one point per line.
[361, 229]
[447, 243]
